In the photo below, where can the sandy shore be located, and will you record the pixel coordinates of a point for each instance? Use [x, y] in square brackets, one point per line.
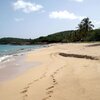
[58, 77]
[14, 66]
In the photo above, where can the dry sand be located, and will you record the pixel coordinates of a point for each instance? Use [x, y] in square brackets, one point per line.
[57, 77]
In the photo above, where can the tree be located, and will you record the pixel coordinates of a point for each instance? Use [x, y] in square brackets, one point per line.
[85, 27]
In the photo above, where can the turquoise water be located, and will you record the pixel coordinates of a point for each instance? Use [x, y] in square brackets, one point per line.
[9, 50]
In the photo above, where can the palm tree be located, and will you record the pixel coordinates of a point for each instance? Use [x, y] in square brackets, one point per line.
[84, 27]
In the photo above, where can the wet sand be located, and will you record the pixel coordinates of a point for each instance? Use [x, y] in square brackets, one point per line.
[14, 66]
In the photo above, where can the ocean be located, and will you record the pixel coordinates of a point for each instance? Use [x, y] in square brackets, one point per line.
[7, 51]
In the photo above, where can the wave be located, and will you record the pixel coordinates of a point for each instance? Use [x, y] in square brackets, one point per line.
[5, 58]
[7, 51]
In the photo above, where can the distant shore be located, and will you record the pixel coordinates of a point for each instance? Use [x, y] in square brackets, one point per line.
[63, 72]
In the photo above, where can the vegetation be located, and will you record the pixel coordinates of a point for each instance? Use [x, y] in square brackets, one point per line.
[85, 27]
[15, 41]
[84, 33]
[68, 36]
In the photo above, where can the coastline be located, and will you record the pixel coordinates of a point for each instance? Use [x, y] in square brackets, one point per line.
[57, 77]
[8, 51]
[12, 65]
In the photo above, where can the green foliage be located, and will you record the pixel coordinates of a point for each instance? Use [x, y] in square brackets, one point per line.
[61, 37]
[84, 33]
[93, 36]
[68, 36]
[54, 38]
[15, 41]
[85, 27]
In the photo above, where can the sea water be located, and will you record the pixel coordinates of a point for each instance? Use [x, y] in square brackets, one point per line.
[7, 51]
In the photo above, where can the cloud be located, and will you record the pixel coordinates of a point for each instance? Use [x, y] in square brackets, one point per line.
[77, 0]
[18, 19]
[26, 7]
[64, 15]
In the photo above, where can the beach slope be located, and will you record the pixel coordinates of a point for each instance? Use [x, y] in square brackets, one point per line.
[66, 72]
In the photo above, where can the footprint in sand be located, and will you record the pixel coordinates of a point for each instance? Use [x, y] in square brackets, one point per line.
[50, 87]
[49, 92]
[25, 94]
[47, 97]
[24, 91]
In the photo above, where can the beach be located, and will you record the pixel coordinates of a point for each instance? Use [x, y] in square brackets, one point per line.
[64, 72]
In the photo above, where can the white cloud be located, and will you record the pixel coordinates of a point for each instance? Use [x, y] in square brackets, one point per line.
[18, 19]
[26, 7]
[77, 0]
[64, 15]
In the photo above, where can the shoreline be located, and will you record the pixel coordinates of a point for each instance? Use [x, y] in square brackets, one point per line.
[12, 66]
[18, 51]
[57, 77]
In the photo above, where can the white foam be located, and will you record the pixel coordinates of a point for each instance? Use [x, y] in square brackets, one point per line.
[4, 58]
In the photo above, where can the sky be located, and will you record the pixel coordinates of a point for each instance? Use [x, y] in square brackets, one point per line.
[35, 18]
